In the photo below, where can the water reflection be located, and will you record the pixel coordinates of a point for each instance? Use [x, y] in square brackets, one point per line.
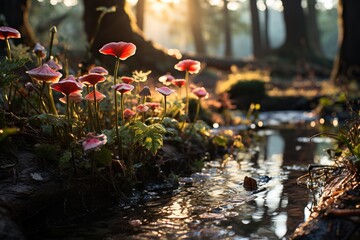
[213, 204]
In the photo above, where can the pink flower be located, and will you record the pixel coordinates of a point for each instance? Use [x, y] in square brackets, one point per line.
[128, 113]
[92, 78]
[127, 80]
[93, 142]
[99, 96]
[166, 79]
[179, 82]
[142, 108]
[53, 65]
[165, 90]
[188, 65]
[67, 86]
[99, 70]
[39, 50]
[200, 92]
[153, 105]
[44, 73]
[123, 87]
[121, 50]
[75, 97]
[9, 32]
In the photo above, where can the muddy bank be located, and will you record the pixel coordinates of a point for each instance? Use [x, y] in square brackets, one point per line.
[337, 213]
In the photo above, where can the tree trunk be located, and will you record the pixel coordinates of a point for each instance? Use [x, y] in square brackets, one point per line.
[314, 34]
[16, 16]
[121, 26]
[266, 29]
[140, 12]
[296, 42]
[227, 31]
[347, 63]
[195, 19]
[255, 26]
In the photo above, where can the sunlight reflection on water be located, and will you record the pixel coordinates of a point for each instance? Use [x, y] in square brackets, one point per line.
[214, 205]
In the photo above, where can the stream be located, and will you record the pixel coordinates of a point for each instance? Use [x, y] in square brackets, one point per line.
[213, 204]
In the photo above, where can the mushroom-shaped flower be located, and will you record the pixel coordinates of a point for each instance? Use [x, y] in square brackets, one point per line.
[121, 50]
[75, 97]
[39, 50]
[128, 113]
[92, 78]
[165, 90]
[9, 32]
[99, 70]
[179, 82]
[67, 86]
[127, 80]
[123, 87]
[53, 65]
[153, 105]
[99, 96]
[166, 79]
[145, 92]
[200, 92]
[188, 65]
[142, 108]
[44, 73]
[93, 141]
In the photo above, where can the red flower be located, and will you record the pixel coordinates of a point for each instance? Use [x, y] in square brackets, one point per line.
[166, 79]
[142, 108]
[165, 91]
[99, 70]
[128, 113]
[9, 32]
[99, 96]
[153, 105]
[44, 73]
[179, 82]
[92, 78]
[67, 86]
[93, 141]
[127, 80]
[39, 50]
[75, 97]
[188, 65]
[123, 87]
[200, 92]
[121, 50]
[53, 65]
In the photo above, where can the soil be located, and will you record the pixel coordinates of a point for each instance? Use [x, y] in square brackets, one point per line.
[337, 214]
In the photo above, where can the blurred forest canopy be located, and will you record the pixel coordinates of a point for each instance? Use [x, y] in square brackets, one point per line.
[296, 30]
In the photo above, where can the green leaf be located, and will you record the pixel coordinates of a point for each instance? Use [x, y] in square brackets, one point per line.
[4, 133]
[8, 70]
[220, 141]
[104, 156]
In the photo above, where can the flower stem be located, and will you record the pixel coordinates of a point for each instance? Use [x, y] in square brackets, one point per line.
[164, 109]
[8, 49]
[195, 120]
[116, 106]
[51, 101]
[187, 93]
[41, 103]
[67, 107]
[96, 111]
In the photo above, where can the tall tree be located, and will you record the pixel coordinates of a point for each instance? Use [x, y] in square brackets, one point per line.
[15, 14]
[313, 27]
[256, 32]
[266, 44]
[121, 26]
[347, 63]
[296, 44]
[227, 30]
[195, 20]
[140, 13]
